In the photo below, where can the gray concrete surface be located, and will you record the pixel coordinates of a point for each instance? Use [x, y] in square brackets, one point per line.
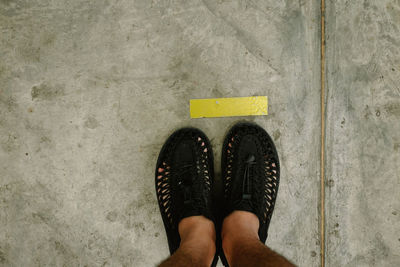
[90, 90]
[363, 140]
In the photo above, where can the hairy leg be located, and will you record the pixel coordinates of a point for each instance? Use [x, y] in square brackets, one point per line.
[242, 246]
[197, 247]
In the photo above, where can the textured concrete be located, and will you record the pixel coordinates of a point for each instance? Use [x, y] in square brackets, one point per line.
[363, 140]
[89, 90]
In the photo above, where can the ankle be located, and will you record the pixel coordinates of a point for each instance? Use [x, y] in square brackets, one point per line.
[240, 223]
[194, 225]
[198, 235]
[239, 227]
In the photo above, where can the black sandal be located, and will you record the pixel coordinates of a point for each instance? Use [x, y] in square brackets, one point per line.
[184, 178]
[250, 175]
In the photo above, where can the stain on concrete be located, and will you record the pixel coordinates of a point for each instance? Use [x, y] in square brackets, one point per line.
[130, 218]
[181, 65]
[39, 217]
[91, 123]
[276, 134]
[6, 2]
[335, 233]
[98, 246]
[3, 258]
[8, 100]
[64, 250]
[10, 143]
[394, 12]
[48, 39]
[380, 250]
[367, 112]
[112, 216]
[217, 92]
[393, 109]
[45, 139]
[342, 123]
[46, 91]
[396, 147]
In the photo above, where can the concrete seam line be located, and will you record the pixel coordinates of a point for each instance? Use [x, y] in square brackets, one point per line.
[322, 148]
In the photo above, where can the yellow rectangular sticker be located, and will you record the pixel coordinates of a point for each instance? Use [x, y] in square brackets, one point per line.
[228, 107]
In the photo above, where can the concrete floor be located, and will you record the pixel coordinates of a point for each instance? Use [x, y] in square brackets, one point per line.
[363, 133]
[89, 90]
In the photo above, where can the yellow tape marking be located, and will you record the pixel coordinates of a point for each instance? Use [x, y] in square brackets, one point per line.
[228, 107]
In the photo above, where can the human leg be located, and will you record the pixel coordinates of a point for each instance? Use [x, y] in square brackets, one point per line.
[242, 246]
[197, 247]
